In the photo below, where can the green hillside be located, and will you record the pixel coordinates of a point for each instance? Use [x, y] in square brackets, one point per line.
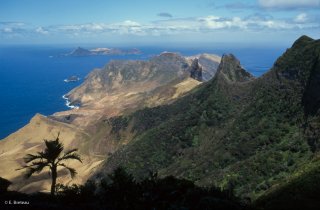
[235, 132]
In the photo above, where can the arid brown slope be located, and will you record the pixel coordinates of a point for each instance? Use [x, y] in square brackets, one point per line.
[120, 87]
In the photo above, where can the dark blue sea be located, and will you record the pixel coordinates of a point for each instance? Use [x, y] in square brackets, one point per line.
[31, 77]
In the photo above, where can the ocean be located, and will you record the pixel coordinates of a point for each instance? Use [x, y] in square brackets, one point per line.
[31, 77]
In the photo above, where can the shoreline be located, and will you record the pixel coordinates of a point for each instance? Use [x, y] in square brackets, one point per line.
[68, 103]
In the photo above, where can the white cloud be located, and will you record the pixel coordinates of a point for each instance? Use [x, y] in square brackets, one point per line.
[7, 30]
[214, 22]
[280, 25]
[40, 30]
[301, 18]
[251, 23]
[183, 25]
[289, 4]
[13, 28]
[89, 27]
[172, 26]
[95, 27]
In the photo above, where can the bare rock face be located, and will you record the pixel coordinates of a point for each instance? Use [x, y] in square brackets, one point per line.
[209, 64]
[196, 70]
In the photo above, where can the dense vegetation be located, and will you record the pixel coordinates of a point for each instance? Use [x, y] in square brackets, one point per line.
[232, 132]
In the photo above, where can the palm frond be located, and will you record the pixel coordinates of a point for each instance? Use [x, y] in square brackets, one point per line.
[70, 151]
[53, 149]
[35, 167]
[50, 157]
[29, 173]
[29, 157]
[71, 154]
[72, 171]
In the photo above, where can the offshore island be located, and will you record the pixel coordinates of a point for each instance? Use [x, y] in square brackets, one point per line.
[102, 51]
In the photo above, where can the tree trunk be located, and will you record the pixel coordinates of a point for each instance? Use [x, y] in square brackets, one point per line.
[54, 180]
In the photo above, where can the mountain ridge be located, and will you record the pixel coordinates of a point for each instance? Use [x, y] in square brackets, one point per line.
[224, 132]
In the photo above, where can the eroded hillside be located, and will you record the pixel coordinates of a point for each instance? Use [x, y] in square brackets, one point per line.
[121, 87]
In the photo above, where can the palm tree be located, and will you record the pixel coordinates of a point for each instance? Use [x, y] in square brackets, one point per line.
[52, 158]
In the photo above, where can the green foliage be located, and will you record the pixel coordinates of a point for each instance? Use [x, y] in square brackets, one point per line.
[257, 132]
[118, 123]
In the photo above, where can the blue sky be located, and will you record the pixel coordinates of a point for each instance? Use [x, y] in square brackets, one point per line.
[137, 22]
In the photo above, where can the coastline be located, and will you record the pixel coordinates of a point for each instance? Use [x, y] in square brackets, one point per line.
[68, 103]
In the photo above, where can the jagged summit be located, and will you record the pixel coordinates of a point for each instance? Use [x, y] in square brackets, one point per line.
[209, 64]
[196, 70]
[231, 69]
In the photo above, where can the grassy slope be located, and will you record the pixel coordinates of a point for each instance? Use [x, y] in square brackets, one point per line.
[238, 135]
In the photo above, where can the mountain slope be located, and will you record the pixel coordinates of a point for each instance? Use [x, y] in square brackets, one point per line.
[120, 87]
[29, 140]
[138, 76]
[235, 132]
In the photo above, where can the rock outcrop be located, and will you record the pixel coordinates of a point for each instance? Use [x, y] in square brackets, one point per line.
[232, 71]
[196, 70]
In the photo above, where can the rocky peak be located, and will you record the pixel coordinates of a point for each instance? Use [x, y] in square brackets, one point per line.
[196, 70]
[231, 69]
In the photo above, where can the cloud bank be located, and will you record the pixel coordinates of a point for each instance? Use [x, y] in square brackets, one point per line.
[256, 23]
[289, 4]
